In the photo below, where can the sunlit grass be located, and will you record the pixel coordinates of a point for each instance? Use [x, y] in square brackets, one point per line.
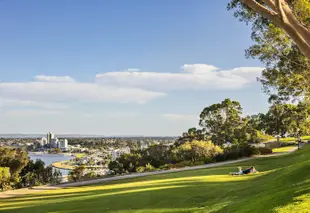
[284, 149]
[293, 139]
[282, 185]
[63, 165]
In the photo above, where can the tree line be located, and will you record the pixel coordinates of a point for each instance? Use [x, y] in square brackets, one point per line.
[18, 171]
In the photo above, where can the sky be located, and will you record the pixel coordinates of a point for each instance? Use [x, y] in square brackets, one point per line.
[121, 67]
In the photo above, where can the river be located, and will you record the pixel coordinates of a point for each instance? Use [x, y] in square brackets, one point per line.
[48, 159]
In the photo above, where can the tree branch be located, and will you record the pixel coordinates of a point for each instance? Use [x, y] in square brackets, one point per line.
[261, 9]
[271, 4]
[299, 27]
[280, 10]
[299, 34]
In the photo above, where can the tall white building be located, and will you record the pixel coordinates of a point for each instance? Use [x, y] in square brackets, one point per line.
[50, 137]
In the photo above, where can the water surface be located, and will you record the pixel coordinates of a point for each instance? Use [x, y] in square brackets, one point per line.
[48, 159]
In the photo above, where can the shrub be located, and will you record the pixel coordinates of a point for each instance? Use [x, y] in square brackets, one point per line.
[237, 151]
[140, 169]
[77, 173]
[265, 150]
[165, 167]
[261, 137]
[5, 178]
[197, 151]
[149, 167]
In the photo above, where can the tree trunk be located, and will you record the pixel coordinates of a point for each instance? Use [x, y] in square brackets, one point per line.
[281, 15]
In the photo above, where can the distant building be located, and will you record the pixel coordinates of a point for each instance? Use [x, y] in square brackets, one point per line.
[63, 145]
[115, 154]
[50, 137]
[54, 143]
[43, 141]
[143, 145]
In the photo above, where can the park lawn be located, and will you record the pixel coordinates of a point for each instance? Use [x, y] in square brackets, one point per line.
[284, 149]
[283, 185]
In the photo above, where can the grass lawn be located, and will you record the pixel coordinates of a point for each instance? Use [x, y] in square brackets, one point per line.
[292, 139]
[283, 185]
[284, 149]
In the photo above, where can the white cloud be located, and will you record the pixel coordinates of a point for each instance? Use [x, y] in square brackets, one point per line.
[133, 85]
[194, 76]
[46, 78]
[181, 117]
[57, 91]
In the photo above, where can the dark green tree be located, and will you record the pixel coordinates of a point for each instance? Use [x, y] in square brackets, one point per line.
[192, 134]
[77, 173]
[220, 121]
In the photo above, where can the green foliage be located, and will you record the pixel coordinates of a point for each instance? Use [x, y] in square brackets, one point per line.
[117, 167]
[130, 161]
[264, 151]
[223, 122]
[5, 176]
[157, 155]
[197, 151]
[262, 137]
[237, 151]
[190, 135]
[219, 121]
[140, 169]
[35, 173]
[287, 68]
[149, 168]
[77, 174]
[16, 160]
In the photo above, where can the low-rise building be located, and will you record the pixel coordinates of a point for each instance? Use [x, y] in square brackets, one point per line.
[63, 145]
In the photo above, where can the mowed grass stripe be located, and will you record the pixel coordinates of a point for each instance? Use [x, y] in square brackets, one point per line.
[283, 184]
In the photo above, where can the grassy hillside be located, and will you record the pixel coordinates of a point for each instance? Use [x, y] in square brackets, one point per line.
[283, 185]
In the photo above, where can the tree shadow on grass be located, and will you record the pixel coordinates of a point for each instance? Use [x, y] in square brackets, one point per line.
[192, 191]
[169, 196]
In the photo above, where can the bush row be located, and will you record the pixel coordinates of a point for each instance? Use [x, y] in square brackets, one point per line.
[188, 154]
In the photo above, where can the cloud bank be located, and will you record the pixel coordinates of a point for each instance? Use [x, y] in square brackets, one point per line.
[193, 76]
[130, 86]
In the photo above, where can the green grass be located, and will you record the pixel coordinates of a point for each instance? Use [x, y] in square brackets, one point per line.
[283, 185]
[292, 139]
[283, 149]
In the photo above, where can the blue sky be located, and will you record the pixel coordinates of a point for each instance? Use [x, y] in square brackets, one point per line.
[120, 67]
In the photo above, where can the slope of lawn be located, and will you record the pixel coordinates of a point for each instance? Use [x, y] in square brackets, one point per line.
[283, 185]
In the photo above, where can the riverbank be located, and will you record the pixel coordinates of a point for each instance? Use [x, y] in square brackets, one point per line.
[67, 165]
